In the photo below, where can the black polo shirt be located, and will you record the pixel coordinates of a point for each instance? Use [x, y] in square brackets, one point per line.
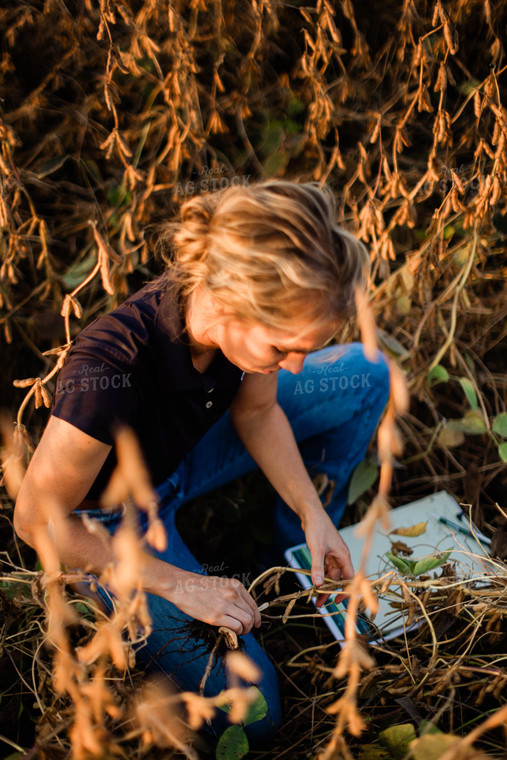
[134, 366]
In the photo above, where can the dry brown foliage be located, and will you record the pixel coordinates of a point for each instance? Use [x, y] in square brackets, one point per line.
[112, 112]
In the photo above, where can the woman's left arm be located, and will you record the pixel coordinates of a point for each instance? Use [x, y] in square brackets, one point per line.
[267, 435]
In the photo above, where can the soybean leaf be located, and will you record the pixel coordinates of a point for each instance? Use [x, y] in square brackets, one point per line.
[437, 374]
[500, 424]
[118, 195]
[232, 745]
[257, 710]
[226, 708]
[51, 165]
[397, 739]
[450, 437]
[373, 752]
[432, 746]
[412, 531]
[469, 390]
[400, 564]
[502, 450]
[427, 727]
[472, 423]
[392, 346]
[295, 107]
[77, 272]
[426, 564]
[363, 477]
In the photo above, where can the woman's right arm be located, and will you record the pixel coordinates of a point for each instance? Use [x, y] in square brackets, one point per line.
[60, 473]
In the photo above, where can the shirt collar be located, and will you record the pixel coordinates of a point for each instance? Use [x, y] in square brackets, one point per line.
[172, 343]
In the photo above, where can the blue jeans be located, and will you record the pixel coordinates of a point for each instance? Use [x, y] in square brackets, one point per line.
[333, 406]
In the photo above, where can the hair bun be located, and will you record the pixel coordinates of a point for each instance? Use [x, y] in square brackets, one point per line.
[198, 212]
[191, 237]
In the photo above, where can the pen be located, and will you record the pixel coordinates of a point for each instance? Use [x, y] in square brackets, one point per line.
[461, 529]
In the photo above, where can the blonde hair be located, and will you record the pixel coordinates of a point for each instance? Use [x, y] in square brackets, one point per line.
[268, 252]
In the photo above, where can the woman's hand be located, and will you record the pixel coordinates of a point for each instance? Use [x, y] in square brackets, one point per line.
[330, 554]
[215, 600]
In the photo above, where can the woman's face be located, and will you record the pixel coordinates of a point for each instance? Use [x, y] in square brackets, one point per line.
[256, 348]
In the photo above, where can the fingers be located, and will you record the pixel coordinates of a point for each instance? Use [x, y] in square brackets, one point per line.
[244, 609]
[346, 565]
[239, 619]
[318, 573]
[322, 599]
[233, 624]
[253, 607]
[336, 567]
[245, 618]
[217, 600]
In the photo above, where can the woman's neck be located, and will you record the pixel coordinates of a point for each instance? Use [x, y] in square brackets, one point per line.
[201, 311]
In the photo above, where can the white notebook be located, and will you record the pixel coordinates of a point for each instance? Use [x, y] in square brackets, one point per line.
[448, 529]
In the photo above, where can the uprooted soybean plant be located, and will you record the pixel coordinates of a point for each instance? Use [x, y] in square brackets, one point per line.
[112, 113]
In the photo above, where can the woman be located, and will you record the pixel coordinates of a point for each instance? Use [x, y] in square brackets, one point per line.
[205, 363]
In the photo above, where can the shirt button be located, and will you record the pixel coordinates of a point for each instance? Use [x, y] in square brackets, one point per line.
[209, 404]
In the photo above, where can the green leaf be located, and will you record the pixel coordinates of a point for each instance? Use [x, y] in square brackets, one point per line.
[14, 589]
[432, 746]
[397, 739]
[403, 305]
[427, 727]
[118, 195]
[467, 88]
[450, 437]
[500, 424]
[77, 272]
[291, 127]
[295, 107]
[437, 374]
[502, 450]
[373, 752]
[391, 345]
[226, 707]
[257, 710]
[275, 163]
[92, 168]
[462, 255]
[469, 389]
[426, 564]
[232, 745]
[363, 477]
[272, 138]
[400, 564]
[472, 423]
[51, 165]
